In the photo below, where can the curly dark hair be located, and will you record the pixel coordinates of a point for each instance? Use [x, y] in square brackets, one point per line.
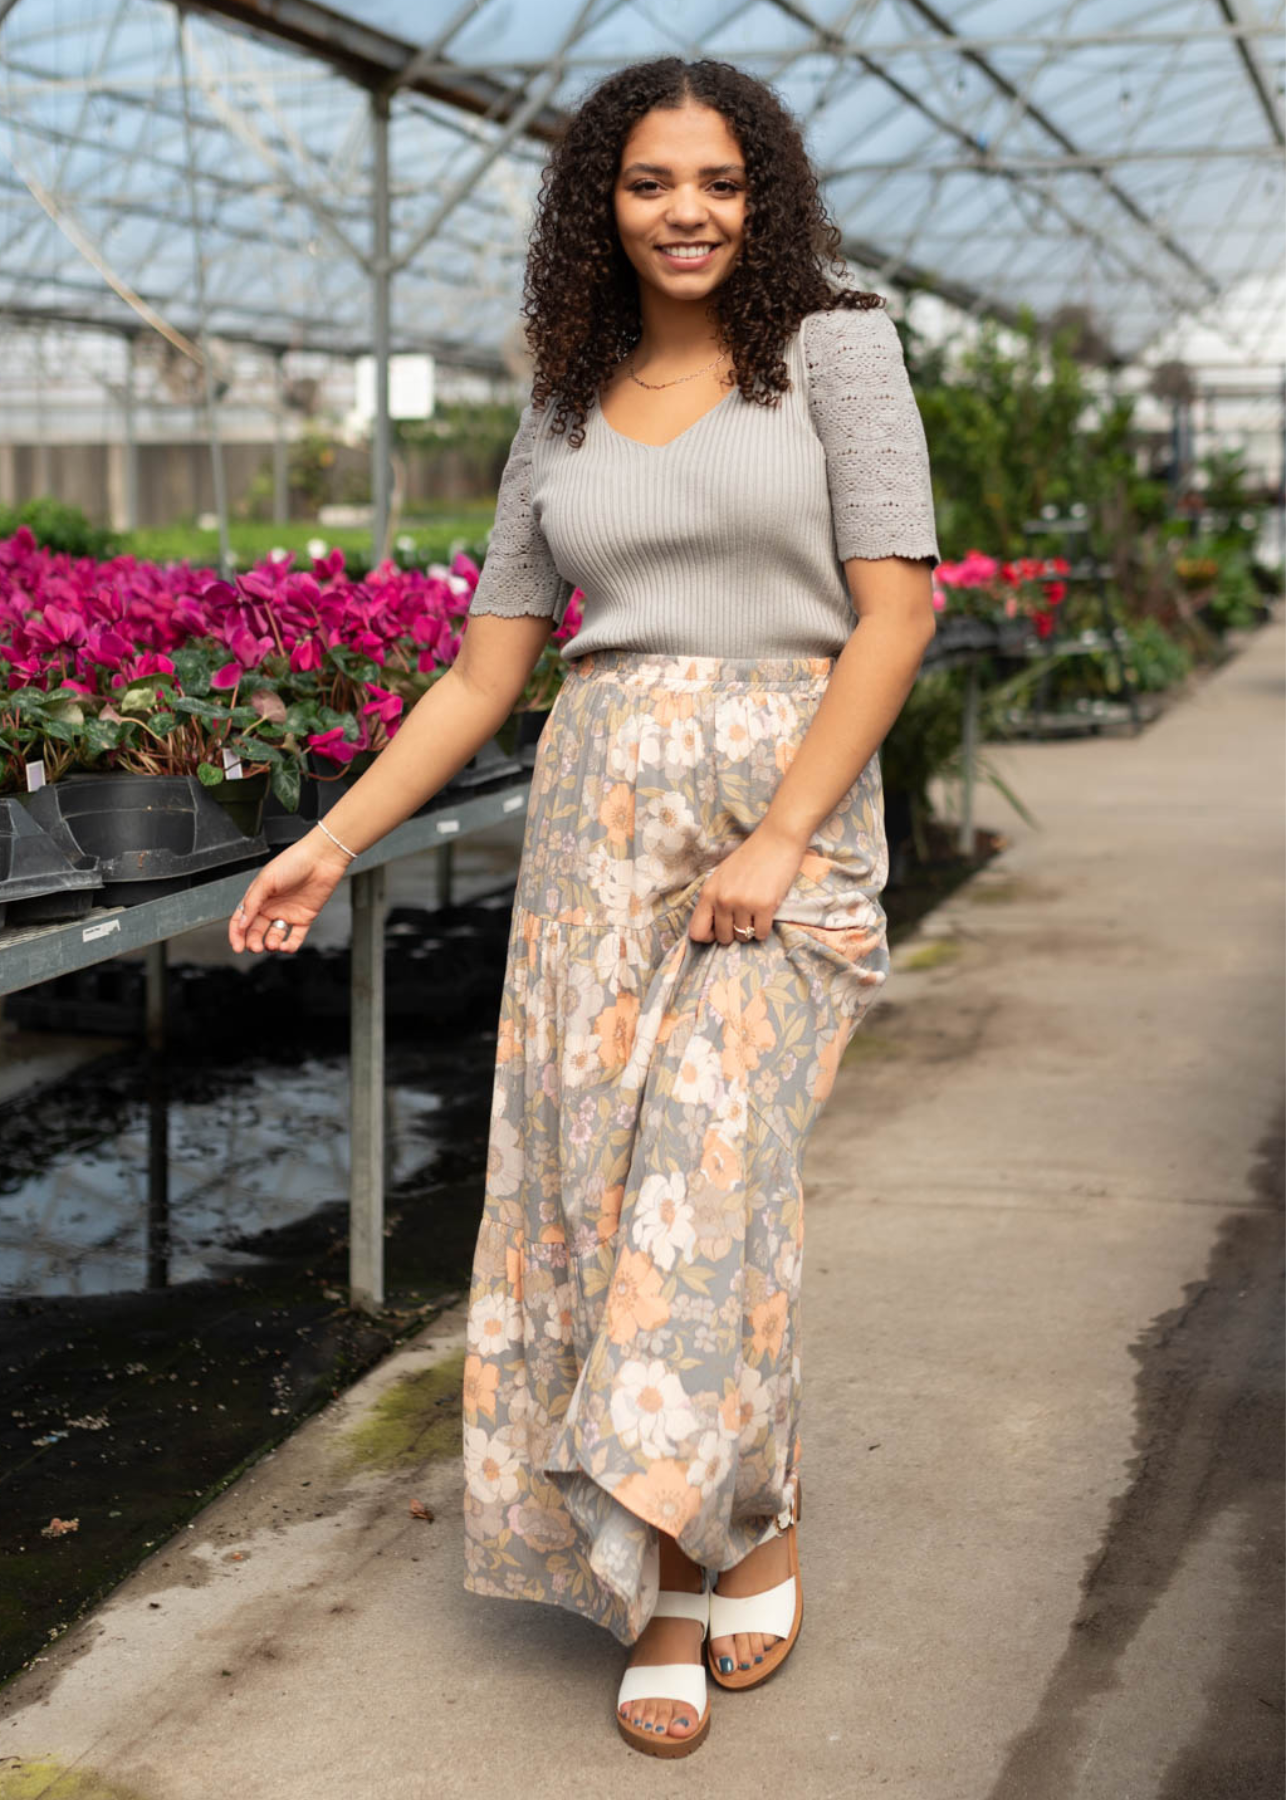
[580, 296]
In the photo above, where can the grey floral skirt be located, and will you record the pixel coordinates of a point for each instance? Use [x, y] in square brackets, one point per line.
[633, 1360]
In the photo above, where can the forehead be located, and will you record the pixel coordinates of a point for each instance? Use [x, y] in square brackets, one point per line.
[683, 138]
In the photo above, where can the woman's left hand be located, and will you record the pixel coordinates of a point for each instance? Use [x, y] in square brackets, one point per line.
[746, 888]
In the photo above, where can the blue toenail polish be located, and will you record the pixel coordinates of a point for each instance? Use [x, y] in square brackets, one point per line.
[759, 1659]
[725, 1665]
[684, 1722]
[745, 1665]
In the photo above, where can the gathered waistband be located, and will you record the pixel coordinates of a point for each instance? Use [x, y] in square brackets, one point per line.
[647, 668]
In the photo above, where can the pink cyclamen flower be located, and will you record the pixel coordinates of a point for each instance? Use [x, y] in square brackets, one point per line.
[333, 745]
[386, 707]
[305, 655]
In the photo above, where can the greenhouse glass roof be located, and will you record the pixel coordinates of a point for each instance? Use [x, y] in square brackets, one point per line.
[1114, 155]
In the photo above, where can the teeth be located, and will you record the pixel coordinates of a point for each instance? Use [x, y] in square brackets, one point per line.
[685, 252]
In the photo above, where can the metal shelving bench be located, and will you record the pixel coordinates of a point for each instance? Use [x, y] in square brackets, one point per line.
[39, 952]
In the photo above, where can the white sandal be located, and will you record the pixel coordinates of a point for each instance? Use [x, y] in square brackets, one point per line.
[669, 1681]
[778, 1610]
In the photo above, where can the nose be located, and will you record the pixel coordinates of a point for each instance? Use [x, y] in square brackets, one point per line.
[686, 208]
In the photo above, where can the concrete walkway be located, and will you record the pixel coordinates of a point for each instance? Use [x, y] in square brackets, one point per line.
[1042, 1425]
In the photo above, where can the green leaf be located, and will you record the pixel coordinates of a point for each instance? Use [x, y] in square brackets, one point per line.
[203, 709]
[286, 783]
[302, 717]
[140, 698]
[208, 775]
[99, 735]
[194, 669]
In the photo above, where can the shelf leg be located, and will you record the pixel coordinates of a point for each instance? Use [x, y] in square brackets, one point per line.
[158, 1119]
[366, 1179]
[968, 752]
[446, 870]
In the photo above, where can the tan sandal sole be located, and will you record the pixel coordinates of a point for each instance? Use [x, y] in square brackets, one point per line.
[776, 1656]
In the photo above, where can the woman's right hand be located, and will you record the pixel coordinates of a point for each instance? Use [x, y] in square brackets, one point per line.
[293, 887]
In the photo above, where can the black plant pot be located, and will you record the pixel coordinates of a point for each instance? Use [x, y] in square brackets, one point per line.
[530, 726]
[43, 876]
[316, 798]
[489, 767]
[152, 834]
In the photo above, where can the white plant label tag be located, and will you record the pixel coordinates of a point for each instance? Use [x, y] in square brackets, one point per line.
[35, 775]
[232, 765]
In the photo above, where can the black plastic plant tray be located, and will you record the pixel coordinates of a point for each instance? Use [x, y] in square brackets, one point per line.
[42, 876]
[151, 833]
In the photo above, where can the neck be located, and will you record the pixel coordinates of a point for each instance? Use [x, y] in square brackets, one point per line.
[675, 332]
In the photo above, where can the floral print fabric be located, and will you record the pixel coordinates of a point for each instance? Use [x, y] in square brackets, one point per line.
[633, 1358]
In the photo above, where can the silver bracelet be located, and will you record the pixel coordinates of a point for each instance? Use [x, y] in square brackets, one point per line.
[334, 840]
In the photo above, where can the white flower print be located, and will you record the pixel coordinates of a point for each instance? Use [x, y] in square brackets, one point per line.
[661, 1222]
[685, 746]
[651, 1410]
[491, 1465]
[666, 826]
[712, 1462]
[696, 1081]
[495, 1322]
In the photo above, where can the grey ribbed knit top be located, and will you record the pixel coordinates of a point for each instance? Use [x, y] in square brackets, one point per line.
[730, 539]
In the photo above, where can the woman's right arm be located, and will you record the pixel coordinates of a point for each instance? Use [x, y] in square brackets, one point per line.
[445, 727]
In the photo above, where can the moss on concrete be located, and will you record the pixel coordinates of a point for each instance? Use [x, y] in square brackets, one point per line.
[48, 1779]
[418, 1418]
[929, 956]
[870, 1046]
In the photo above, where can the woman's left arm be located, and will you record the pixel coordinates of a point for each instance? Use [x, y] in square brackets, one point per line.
[873, 674]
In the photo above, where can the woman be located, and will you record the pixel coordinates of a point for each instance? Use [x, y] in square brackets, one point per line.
[722, 451]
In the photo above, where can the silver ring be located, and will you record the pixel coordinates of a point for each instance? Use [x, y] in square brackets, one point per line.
[744, 931]
[280, 925]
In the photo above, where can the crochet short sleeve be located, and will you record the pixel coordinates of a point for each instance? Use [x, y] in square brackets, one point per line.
[864, 412]
[518, 573]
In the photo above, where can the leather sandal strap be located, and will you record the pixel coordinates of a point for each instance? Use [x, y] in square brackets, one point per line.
[672, 1603]
[773, 1611]
[665, 1681]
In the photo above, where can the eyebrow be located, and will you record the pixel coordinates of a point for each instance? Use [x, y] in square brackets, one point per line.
[662, 169]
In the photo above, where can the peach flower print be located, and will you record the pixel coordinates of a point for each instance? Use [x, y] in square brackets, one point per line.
[615, 1027]
[747, 1028]
[609, 1212]
[634, 1301]
[661, 1494]
[479, 1388]
[769, 1321]
[616, 814]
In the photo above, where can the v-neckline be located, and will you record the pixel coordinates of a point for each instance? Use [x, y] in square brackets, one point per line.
[642, 445]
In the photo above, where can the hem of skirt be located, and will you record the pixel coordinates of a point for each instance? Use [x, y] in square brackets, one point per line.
[489, 1590]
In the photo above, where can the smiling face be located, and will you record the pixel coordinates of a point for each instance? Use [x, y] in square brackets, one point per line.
[680, 200]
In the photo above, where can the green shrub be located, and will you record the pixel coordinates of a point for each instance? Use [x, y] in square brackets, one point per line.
[57, 526]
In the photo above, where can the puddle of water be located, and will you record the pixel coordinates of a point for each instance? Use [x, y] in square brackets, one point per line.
[260, 1149]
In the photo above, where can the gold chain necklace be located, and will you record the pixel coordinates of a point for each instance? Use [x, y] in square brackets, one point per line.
[678, 378]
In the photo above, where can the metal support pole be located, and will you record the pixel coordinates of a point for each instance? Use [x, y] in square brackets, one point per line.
[203, 336]
[131, 439]
[158, 1119]
[446, 870]
[280, 470]
[968, 750]
[381, 329]
[366, 1177]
